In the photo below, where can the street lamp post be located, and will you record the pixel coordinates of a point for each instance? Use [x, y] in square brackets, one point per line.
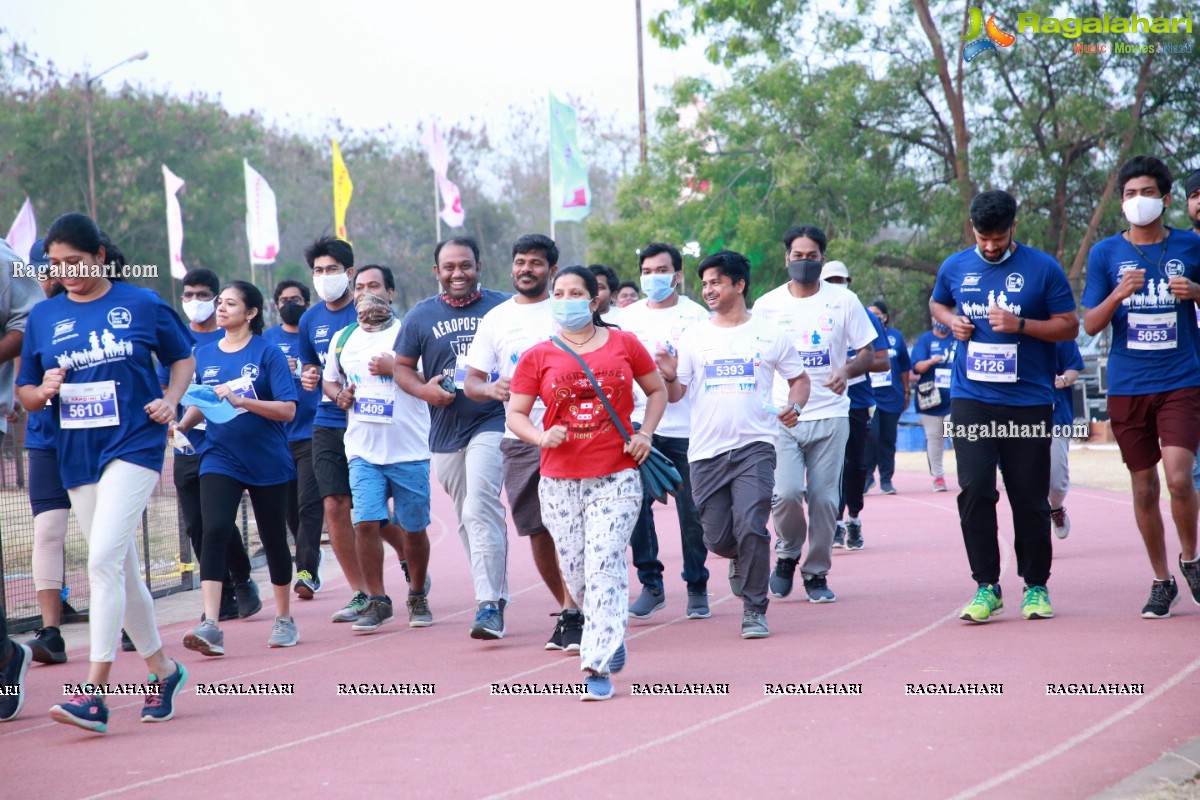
[88, 81]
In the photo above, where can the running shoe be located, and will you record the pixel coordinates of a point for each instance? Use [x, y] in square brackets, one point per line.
[987, 604]
[306, 585]
[489, 622]
[248, 601]
[818, 590]
[556, 638]
[1036, 604]
[1163, 596]
[419, 615]
[160, 707]
[597, 687]
[85, 711]
[284, 633]
[839, 535]
[649, 601]
[13, 674]
[206, 639]
[783, 576]
[377, 612]
[735, 578]
[48, 646]
[617, 662]
[697, 605]
[939, 484]
[1060, 522]
[572, 630]
[1191, 574]
[229, 604]
[350, 611]
[885, 487]
[754, 625]
[854, 538]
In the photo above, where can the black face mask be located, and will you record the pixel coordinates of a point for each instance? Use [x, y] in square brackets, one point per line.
[805, 271]
[291, 313]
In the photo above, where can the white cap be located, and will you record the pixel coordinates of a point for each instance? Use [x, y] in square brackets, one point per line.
[834, 269]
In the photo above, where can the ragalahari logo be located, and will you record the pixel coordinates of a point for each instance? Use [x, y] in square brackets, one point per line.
[980, 38]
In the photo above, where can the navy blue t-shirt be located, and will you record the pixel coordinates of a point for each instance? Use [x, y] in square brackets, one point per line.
[300, 428]
[1030, 284]
[928, 345]
[317, 327]
[41, 428]
[440, 335]
[890, 397]
[248, 448]
[1158, 351]
[109, 342]
[1066, 356]
[861, 394]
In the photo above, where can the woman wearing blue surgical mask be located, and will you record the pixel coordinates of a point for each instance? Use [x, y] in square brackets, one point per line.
[591, 490]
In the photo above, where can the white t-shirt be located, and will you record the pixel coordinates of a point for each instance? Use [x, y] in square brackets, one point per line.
[385, 425]
[729, 373]
[822, 328]
[504, 333]
[655, 326]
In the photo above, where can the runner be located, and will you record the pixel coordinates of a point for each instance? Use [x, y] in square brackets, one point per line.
[387, 445]
[729, 363]
[304, 512]
[609, 283]
[891, 399]
[933, 362]
[252, 399]
[89, 351]
[590, 490]
[1007, 304]
[627, 293]
[1068, 363]
[1142, 281]
[661, 319]
[505, 332]
[465, 435]
[823, 322]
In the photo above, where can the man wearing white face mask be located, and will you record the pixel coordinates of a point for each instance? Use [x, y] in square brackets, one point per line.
[1144, 282]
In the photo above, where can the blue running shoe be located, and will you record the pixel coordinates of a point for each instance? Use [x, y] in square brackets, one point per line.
[85, 711]
[617, 662]
[160, 707]
[597, 687]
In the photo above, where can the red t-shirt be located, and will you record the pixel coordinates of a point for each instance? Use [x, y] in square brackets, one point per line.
[593, 446]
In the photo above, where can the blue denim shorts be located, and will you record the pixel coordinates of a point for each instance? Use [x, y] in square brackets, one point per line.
[408, 483]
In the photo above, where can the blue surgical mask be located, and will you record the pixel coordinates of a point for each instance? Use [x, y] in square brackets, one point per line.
[940, 328]
[658, 287]
[571, 314]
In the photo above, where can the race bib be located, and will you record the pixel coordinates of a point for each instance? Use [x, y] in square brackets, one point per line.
[729, 372]
[375, 404]
[881, 380]
[1152, 332]
[816, 359]
[88, 405]
[460, 374]
[992, 363]
[941, 377]
[243, 387]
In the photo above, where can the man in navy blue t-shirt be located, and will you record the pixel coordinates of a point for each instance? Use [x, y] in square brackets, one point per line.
[933, 362]
[464, 434]
[891, 398]
[1143, 281]
[1007, 304]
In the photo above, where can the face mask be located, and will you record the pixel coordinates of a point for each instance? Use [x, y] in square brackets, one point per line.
[805, 271]
[331, 287]
[199, 310]
[374, 312]
[658, 287]
[940, 328]
[571, 315]
[1142, 210]
[1008, 251]
[291, 313]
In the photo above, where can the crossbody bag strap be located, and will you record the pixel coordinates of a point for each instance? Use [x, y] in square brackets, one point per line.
[595, 385]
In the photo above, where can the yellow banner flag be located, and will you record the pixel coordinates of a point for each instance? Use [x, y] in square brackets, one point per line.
[342, 190]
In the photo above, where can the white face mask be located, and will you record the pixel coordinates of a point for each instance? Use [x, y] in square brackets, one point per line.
[199, 311]
[1142, 210]
[1008, 251]
[331, 287]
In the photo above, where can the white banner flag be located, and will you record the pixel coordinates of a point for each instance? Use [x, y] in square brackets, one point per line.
[23, 232]
[262, 220]
[173, 184]
[435, 147]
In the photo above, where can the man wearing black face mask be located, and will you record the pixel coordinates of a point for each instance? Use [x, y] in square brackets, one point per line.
[304, 510]
[823, 322]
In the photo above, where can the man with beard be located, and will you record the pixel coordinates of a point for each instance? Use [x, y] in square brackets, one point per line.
[1007, 304]
[825, 323]
[503, 335]
[465, 435]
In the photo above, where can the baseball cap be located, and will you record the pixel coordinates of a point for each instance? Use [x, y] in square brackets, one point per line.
[37, 254]
[834, 269]
[1193, 183]
[204, 398]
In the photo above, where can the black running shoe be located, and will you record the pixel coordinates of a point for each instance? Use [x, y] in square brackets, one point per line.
[572, 634]
[783, 576]
[1163, 595]
[48, 646]
[556, 638]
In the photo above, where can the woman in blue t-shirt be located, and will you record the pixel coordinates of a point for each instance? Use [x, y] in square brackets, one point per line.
[246, 453]
[91, 351]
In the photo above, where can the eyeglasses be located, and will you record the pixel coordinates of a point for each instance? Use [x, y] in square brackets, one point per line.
[293, 301]
[197, 295]
[332, 269]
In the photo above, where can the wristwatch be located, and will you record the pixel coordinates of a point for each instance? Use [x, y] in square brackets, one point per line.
[1021, 325]
[799, 409]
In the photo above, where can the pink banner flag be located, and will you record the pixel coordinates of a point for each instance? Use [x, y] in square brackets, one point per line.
[262, 220]
[435, 148]
[173, 184]
[23, 232]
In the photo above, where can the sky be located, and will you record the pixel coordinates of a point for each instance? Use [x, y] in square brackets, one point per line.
[370, 64]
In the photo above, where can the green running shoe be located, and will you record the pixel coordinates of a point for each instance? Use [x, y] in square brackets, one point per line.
[987, 603]
[1036, 604]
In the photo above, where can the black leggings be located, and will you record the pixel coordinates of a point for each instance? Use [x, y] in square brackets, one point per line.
[221, 495]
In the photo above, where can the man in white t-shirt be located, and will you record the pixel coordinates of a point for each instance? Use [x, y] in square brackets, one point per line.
[728, 364]
[823, 322]
[387, 445]
[504, 333]
[659, 321]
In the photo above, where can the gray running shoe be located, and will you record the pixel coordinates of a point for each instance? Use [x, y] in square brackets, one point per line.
[854, 539]
[735, 578]
[647, 603]
[839, 536]
[350, 611]
[697, 605]
[818, 591]
[377, 612]
[782, 576]
[754, 625]
[284, 633]
[489, 622]
[205, 639]
[419, 615]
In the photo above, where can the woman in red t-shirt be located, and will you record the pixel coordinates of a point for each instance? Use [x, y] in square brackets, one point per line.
[591, 490]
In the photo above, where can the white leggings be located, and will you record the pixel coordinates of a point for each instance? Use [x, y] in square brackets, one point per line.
[49, 539]
[109, 513]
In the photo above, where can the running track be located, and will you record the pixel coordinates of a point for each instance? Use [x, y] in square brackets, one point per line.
[894, 623]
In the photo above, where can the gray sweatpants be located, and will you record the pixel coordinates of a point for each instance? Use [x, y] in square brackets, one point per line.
[1060, 471]
[808, 464]
[471, 477]
[935, 443]
[733, 494]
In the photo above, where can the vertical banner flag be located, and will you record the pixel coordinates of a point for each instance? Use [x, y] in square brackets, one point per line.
[435, 147]
[173, 184]
[570, 197]
[342, 190]
[23, 232]
[262, 221]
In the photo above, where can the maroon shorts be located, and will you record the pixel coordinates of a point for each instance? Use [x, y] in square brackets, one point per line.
[1143, 423]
